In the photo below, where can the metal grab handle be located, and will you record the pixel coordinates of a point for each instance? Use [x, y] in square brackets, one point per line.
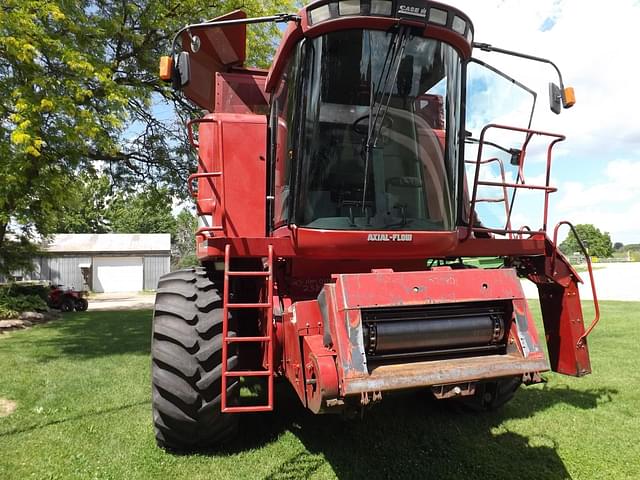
[584, 336]
[190, 124]
[196, 176]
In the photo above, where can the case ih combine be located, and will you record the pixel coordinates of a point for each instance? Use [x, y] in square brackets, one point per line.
[338, 217]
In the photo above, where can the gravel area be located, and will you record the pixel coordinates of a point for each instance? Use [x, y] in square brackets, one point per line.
[121, 301]
[614, 281]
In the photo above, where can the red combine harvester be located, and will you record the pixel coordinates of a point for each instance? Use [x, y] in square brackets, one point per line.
[339, 222]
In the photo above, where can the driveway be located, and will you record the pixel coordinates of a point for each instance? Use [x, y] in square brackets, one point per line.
[614, 281]
[121, 301]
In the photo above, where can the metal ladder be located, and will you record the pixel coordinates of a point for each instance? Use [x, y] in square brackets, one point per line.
[267, 340]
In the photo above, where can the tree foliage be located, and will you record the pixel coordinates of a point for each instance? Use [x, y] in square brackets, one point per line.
[78, 81]
[145, 212]
[598, 243]
[184, 246]
[85, 208]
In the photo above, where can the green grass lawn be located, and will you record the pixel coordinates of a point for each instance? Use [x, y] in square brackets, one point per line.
[82, 390]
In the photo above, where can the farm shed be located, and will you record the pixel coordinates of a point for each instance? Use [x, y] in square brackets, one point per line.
[113, 262]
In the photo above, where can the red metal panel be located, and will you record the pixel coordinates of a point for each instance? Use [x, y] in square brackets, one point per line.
[244, 156]
[244, 247]
[220, 49]
[303, 318]
[332, 244]
[241, 93]
[377, 246]
[421, 288]
[292, 356]
[564, 326]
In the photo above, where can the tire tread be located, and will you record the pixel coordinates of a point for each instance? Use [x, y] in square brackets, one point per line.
[187, 364]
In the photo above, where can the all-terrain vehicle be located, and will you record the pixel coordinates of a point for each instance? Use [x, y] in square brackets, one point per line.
[67, 299]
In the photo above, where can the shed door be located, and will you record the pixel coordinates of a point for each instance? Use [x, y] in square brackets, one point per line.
[117, 274]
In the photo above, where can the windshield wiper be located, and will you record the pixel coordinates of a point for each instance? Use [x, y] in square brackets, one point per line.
[389, 73]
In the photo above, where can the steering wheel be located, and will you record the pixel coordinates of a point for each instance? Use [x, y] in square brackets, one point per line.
[362, 128]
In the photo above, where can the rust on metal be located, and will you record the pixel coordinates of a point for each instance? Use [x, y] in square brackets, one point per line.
[440, 372]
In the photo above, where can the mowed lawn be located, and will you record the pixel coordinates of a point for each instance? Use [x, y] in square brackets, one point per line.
[82, 390]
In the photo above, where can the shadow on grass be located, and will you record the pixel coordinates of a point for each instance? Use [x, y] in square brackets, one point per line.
[29, 428]
[96, 334]
[409, 435]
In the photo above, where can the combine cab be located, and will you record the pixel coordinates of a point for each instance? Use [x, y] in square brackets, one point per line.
[339, 222]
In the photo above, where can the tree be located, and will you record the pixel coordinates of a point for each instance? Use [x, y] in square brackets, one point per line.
[77, 84]
[184, 243]
[618, 246]
[86, 205]
[144, 212]
[598, 243]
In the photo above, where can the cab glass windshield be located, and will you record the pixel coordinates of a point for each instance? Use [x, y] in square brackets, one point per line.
[381, 130]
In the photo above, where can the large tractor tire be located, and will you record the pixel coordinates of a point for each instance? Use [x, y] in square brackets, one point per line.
[186, 365]
[492, 395]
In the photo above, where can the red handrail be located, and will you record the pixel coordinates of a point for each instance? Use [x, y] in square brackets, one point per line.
[584, 336]
[546, 188]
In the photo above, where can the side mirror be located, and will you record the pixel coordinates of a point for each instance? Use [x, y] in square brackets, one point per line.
[182, 71]
[561, 98]
[555, 98]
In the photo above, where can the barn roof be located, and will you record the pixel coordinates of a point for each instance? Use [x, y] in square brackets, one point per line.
[109, 242]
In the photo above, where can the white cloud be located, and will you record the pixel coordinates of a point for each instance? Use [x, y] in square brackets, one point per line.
[611, 203]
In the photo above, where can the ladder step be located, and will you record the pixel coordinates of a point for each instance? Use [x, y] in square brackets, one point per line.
[248, 305]
[247, 339]
[249, 373]
[248, 274]
[248, 409]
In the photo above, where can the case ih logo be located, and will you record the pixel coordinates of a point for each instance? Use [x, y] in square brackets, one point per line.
[410, 9]
[390, 237]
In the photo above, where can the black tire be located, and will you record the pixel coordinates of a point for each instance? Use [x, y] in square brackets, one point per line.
[81, 305]
[186, 364]
[67, 304]
[492, 395]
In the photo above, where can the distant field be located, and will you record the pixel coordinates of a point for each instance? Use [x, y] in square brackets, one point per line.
[83, 411]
